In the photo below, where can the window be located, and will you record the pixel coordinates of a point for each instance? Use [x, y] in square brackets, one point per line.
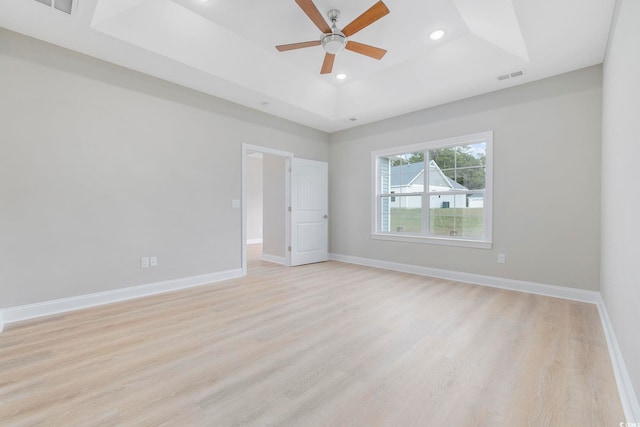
[435, 192]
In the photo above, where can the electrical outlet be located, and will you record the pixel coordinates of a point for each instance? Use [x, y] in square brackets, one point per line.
[153, 261]
[144, 262]
[501, 258]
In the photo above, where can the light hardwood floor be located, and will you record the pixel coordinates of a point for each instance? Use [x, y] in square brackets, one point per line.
[327, 344]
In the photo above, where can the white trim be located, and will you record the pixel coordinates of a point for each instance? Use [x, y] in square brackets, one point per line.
[287, 203]
[628, 398]
[254, 241]
[487, 203]
[243, 209]
[47, 308]
[630, 404]
[266, 150]
[477, 279]
[1, 321]
[612, 29]
[275, 259]
[481, 244]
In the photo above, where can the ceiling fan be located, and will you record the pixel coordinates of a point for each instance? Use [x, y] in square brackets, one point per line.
[334, 40]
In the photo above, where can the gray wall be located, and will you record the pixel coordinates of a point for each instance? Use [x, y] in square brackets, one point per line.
[100, 166]
[620, 200]
[254, 197]
[546, 181]
[274, 220]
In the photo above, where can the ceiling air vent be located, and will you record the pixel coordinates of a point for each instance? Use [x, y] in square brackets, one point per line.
[62, 5]
[513, 75]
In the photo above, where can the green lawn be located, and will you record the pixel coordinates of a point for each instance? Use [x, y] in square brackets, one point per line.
[460, 222]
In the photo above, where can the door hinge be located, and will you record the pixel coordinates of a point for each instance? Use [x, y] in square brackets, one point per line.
[289, 248]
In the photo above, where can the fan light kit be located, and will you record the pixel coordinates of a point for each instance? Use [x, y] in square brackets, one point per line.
[334, 40]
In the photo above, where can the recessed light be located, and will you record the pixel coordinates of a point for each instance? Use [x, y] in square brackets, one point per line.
[436, 35]
[341, 76]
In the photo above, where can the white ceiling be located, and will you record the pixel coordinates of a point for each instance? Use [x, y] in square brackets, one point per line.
[227, 48]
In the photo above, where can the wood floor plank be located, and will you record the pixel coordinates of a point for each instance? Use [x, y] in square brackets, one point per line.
[327, 344]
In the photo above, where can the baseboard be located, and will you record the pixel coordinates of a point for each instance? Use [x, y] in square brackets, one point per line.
[275, 259]
[628, 397]
[47, 308]
[477, 279]
[254, 241]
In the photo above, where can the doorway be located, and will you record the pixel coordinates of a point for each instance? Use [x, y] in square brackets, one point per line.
[254, 203]
[265, 202]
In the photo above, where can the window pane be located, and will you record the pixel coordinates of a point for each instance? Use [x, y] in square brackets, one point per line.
[477, 151]
[457, 168]
[444, 158]
[457, 215]
[439, 181]
[471, 178]
[401, 214]
[384, 164]
[404, 173]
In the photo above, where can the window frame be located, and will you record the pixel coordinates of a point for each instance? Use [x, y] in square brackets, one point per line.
[484, 243]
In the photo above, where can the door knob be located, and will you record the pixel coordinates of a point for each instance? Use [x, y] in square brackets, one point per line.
[326, 216]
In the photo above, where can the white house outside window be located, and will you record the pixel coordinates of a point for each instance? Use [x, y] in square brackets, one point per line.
[435, 192]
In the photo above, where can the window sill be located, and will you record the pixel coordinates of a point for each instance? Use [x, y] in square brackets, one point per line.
[480, 244]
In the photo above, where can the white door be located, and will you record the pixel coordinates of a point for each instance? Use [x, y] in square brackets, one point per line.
[309, 211]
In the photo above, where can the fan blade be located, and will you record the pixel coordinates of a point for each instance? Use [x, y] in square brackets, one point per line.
[314, 14]
[285, 47]
[370, 16]
[327, 65]
[365, 49]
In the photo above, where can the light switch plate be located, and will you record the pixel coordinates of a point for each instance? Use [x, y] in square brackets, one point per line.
[153, 261]
[235, 203]
[144, 262]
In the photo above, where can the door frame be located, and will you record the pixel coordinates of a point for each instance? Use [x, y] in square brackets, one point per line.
[246, 150]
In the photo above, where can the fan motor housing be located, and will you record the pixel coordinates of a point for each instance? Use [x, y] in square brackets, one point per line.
[334, 42]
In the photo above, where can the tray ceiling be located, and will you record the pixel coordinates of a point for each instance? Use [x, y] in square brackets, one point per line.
[227, 48]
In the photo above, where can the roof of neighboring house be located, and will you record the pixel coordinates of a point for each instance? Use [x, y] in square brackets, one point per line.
[403, 175]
